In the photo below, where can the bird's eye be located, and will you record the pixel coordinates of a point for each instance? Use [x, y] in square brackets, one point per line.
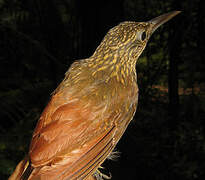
[143, 37]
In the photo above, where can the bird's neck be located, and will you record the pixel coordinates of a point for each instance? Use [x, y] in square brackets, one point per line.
[118, 64]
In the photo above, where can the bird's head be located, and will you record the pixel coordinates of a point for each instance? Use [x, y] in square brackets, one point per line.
[128, 39]
[124, 43]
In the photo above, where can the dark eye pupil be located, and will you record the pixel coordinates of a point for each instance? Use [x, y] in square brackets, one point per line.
[143, 36]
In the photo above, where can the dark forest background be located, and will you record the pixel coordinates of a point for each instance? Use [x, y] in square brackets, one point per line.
[39, 39]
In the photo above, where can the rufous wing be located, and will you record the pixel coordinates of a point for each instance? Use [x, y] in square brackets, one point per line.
[70, 142]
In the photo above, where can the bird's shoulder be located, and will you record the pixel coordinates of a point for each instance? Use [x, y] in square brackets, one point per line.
[76, 110]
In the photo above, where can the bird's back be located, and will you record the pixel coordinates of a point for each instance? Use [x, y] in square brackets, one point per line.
[82, 123]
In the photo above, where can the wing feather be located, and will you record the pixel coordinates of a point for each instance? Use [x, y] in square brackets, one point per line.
[94, 157]
[73, 137]
[70, 144]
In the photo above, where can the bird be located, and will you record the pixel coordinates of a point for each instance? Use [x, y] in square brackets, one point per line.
[90, 109]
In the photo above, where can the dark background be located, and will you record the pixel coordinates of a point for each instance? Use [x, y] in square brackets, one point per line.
[39, 39]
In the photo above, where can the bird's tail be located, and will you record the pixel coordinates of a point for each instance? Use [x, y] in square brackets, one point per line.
[22, 171]
[27, 172]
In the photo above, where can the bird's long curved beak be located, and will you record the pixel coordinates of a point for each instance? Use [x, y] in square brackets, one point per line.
[158, 21]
